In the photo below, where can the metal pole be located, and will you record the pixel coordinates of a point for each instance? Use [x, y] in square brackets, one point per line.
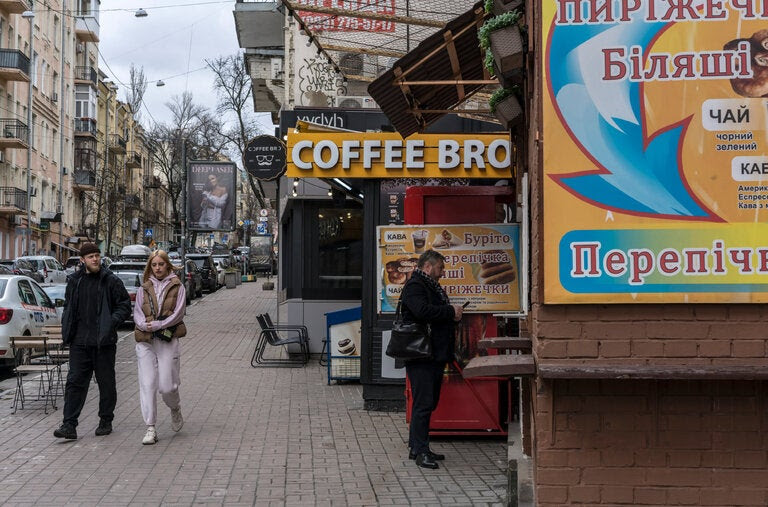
[183, 209]
[31, 135]
[60, 207]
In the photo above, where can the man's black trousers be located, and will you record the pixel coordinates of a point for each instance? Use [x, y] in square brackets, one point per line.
[426, 378]
[84, 361]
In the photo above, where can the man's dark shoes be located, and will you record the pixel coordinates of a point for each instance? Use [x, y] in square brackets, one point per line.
[424, 460]
[105, 428]
[433, 455]
[65, 431]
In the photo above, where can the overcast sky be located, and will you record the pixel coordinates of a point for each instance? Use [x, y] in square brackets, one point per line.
[171, 43]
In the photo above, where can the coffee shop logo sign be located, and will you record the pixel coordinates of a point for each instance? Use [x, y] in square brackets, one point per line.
[317, 76]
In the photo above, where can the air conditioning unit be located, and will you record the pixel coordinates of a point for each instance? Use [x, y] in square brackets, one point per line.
[54, 97]
[80, 47]
[354, 102]
[17, 220]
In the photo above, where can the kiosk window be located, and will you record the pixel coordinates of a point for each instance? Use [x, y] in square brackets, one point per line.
[340, 246]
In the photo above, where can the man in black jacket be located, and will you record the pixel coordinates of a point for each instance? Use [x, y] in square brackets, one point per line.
[96, 302]
[424, 301]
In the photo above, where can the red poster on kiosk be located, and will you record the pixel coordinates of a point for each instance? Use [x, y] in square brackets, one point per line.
[478, 406]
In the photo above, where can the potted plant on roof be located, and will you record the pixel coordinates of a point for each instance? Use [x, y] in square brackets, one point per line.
[501, 38]
[504, 103]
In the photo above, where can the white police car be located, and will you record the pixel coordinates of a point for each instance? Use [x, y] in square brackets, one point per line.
[24, 309]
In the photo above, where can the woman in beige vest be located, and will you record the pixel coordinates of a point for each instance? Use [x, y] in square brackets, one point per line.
[158, 314]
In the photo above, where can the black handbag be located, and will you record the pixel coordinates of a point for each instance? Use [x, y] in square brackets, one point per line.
[409, 340]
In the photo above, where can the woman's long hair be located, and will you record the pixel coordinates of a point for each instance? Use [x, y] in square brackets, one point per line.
[163, 255]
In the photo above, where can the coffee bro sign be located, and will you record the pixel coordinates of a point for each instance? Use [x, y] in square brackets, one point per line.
[388, 155]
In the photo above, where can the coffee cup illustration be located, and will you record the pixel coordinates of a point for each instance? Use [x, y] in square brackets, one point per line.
[419, 240]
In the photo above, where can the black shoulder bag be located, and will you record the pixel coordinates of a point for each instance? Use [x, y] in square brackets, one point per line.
[409, 340]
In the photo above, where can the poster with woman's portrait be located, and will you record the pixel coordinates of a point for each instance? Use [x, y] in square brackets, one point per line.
[211, 195]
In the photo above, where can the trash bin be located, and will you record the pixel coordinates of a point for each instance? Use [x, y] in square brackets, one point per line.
[230, 279]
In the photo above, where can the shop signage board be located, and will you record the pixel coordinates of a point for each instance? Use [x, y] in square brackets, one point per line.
[481, 263]
[655, 185]
[388, 155]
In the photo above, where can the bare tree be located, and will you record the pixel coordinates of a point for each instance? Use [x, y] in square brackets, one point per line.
[135, 95]
[233, 86]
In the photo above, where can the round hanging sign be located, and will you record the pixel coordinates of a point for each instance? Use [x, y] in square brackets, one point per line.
[265, 157]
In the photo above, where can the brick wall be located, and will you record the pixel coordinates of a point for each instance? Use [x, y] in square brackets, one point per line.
[706, 334]
[651, 442]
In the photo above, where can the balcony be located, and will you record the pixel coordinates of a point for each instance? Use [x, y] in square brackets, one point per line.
[14, 6]
[13, 201]
[152, 182]
[117, 144]
[85, 74]
[87, 26]
[14, 65]
[133, 160]
[15, 134]
[151, 216]
[132, 200]
[85, 159]
[85, 127]
[84, 180]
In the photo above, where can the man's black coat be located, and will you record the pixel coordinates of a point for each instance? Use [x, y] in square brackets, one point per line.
[114, 309]
[422, 304]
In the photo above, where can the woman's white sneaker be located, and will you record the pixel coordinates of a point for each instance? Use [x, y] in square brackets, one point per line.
[176, 420]
[150, 437]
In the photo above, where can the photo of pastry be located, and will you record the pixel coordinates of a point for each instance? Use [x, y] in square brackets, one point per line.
[446, 239]
[346, 347]
[495, 273]
[399, 271]
[757, 85]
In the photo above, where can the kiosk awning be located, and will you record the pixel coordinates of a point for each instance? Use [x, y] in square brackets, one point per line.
[440, 74]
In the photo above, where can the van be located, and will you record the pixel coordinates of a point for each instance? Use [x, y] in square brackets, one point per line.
[51, 270]
[135, 253]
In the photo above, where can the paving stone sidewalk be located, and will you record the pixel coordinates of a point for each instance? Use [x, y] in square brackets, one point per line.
[252, 436]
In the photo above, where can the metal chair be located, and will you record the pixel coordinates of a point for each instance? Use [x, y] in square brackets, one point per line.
[278, 336]
[44, 366]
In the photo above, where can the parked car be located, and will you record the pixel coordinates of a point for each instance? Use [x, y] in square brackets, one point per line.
[194, 282]
[132, 281]
[51, 270]
[207, 270]
[57, 293]
[72, 264]
[24, 309]
[221, 266]
[23, 267]
[135, 253]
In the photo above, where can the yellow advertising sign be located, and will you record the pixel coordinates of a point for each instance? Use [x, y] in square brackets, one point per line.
[656, 155]
[481, 266]
[388, 155]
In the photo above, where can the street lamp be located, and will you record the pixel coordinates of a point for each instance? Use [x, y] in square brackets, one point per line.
[30, 15]
[141, 13]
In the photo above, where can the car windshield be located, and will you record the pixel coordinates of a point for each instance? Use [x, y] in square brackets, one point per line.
[129, 279]
[55, 291]
[72, 261]
[199, 262]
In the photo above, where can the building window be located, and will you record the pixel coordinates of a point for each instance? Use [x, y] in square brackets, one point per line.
[85, 101]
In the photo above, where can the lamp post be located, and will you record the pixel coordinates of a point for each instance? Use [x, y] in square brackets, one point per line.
[30, 15]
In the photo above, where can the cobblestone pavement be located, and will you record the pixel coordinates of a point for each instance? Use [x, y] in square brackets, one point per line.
[252, 436]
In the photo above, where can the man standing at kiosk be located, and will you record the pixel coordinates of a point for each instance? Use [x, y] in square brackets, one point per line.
[425, 302]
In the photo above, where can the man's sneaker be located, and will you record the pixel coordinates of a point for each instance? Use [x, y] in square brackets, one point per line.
[66, 431]
[150, 438]
[176, 420]
[105, 428]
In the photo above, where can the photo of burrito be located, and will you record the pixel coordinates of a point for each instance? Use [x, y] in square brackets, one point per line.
[495, 273]
[446, 239]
